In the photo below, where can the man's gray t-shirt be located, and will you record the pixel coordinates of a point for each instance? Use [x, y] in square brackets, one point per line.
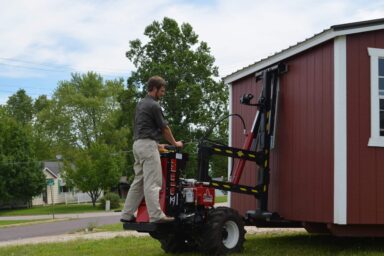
[149, 120]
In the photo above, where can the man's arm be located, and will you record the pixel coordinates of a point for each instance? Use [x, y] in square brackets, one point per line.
[167, 133]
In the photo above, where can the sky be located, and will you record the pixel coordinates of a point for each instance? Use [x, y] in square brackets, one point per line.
[43, 41]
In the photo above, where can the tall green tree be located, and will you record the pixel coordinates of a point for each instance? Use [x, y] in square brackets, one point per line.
[45, 146]
[21, 176]
[128, 100]
[19, 106]
[81, 119]
[94, 169]
[195, 97]
[84, 104]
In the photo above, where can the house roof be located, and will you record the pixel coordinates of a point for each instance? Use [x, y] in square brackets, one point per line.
[328, 34]
[53, 167]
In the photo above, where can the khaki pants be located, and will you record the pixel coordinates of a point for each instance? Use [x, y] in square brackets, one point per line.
[147, 182]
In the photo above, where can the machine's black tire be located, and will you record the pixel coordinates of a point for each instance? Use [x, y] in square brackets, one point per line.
[176, 242]
[222, 233]
[158, 235]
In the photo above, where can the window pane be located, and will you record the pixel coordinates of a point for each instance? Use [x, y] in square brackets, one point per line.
[381, 83]
[381, 67]
[381, 104]
[381, 120]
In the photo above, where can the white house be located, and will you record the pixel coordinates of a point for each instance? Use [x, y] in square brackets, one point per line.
[56, 191]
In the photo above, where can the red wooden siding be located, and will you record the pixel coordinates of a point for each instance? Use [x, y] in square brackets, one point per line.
[302, 162]
[365, 165]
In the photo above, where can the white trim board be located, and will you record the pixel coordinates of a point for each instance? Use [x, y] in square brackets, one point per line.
[340, 132]
[375, 140]
[50, 172]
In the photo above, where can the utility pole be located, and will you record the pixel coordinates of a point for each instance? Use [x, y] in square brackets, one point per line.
[50, 183]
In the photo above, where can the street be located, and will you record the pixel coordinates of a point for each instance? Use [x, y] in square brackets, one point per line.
[55, 228]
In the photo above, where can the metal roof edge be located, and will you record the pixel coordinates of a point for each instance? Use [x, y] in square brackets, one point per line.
[358, 24]
[50, 172]
[326, 35]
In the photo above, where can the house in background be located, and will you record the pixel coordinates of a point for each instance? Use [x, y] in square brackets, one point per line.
[327, 164]
[56, 191]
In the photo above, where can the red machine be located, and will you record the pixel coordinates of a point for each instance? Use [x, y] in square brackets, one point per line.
[198, 225]
[171, 196]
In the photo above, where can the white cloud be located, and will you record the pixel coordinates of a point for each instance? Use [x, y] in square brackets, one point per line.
[95, 34]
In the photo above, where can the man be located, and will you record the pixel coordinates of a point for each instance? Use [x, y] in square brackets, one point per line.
[149, 127]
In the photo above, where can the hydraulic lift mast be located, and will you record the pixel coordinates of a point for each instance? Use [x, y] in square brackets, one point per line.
[257, 144]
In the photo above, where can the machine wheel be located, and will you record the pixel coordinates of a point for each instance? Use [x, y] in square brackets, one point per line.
[176, 242]
[223, 232]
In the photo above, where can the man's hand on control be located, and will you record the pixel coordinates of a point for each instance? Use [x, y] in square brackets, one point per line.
[179, 144]
[161, 147]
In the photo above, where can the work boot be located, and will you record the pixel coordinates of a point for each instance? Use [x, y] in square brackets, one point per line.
[128, 219]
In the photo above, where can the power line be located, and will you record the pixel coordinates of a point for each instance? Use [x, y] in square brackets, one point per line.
[24, 86]
[48, 160]
[28, 93]
[50, 67]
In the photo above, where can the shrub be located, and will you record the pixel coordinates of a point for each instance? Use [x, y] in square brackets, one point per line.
[113, 198]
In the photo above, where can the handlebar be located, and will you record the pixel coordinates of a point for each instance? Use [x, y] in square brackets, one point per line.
[170, 147]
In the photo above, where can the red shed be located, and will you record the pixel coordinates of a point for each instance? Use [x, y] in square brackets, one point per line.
[327, 161]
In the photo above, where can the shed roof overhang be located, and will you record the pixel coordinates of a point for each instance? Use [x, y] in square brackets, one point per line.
[328, 34]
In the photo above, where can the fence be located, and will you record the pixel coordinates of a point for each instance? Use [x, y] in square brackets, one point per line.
[78, 197]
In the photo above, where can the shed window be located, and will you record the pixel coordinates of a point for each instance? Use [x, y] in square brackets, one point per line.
[381, 116]
[377, 97]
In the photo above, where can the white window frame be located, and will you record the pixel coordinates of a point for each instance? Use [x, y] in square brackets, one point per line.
[375, 140]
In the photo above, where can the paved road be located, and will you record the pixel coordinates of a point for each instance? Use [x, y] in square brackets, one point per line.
[55, 228]
[61, 216]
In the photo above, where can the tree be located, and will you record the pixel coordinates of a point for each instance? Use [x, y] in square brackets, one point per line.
[44, 143]
[128, 100]
[21, 176]
[19, 106]
[94, 169]
[194, 99]
[82, 119]
[82, 106]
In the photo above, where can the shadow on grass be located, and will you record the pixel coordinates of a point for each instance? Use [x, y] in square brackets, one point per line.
[306, 244]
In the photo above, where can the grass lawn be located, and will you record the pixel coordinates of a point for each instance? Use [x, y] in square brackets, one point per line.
[261, 244]
[59, 208]
[221, 199]
[110, 227]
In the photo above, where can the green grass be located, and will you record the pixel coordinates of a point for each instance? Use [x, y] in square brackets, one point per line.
[111, 227]
[221, 199]
[59, 208]
[116, 247]
[305, 244]
[288, 244]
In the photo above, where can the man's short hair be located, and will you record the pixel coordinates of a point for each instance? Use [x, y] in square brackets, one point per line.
[155, 82]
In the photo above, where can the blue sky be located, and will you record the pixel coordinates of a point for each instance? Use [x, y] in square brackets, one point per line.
[43, 41]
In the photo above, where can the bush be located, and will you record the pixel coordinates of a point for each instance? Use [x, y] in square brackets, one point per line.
[113, 198]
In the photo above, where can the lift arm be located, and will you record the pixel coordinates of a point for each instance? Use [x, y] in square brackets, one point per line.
[257, 144]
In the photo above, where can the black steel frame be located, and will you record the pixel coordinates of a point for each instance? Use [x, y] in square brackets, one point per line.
[257, 150]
